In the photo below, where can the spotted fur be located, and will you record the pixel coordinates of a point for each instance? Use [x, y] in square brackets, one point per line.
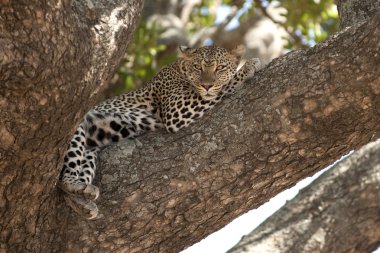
[177, 96]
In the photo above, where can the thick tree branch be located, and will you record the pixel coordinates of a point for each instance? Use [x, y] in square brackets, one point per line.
[339, 212]
[163, 192]
[342, 203]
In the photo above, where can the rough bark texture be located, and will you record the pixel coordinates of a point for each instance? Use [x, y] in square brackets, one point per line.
[339, 212]
[56, 58]
[353, 12]
[164, 192]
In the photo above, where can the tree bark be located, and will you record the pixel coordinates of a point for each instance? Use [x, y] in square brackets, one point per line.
[56, 58]
[339, 212]
[353, 12]
[342, 203]
[163, 192]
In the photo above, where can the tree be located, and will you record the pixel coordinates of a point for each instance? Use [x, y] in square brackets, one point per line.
[172, 190]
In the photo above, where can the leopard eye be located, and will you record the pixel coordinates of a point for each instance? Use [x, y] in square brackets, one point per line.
[197, 66]
[221, 67]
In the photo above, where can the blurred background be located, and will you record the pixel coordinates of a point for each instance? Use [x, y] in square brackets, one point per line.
[267, 28]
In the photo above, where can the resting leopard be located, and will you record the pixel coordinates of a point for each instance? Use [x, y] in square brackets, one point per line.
[177, 96]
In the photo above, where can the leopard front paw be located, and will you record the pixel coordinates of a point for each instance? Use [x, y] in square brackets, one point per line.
[251, 66]
[88, 191]
[91, 192]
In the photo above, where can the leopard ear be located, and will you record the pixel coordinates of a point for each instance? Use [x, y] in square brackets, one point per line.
[184, 51]
[238, 51]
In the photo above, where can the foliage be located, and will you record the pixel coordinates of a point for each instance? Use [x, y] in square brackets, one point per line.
[141, 63]
[313, 21]
[202, 16]
[307, 22]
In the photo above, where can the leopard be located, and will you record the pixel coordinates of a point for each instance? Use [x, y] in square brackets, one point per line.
[176, 97]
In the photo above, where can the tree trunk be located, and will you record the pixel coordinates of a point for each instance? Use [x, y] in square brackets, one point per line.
[339, 212]
[163, 192]
[56, 58]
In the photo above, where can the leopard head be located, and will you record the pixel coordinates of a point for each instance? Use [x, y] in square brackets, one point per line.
[209, 68]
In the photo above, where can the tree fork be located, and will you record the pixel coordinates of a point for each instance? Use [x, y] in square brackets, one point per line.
[164, 192]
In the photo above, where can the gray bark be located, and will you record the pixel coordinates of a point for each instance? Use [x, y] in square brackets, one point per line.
[164, 192]
[56, 57]
[342, 203]
[354, 12]
[339, 212]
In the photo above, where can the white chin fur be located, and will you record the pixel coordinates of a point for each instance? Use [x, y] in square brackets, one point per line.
[207, 95]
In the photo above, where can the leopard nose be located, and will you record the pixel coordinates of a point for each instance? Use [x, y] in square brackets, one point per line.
[207, 86]
[207, 79]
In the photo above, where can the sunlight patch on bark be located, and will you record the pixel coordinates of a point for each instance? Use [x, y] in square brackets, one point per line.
[115, 23]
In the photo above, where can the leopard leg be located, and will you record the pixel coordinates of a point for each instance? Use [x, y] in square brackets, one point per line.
[79, 167]
[98, 130]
